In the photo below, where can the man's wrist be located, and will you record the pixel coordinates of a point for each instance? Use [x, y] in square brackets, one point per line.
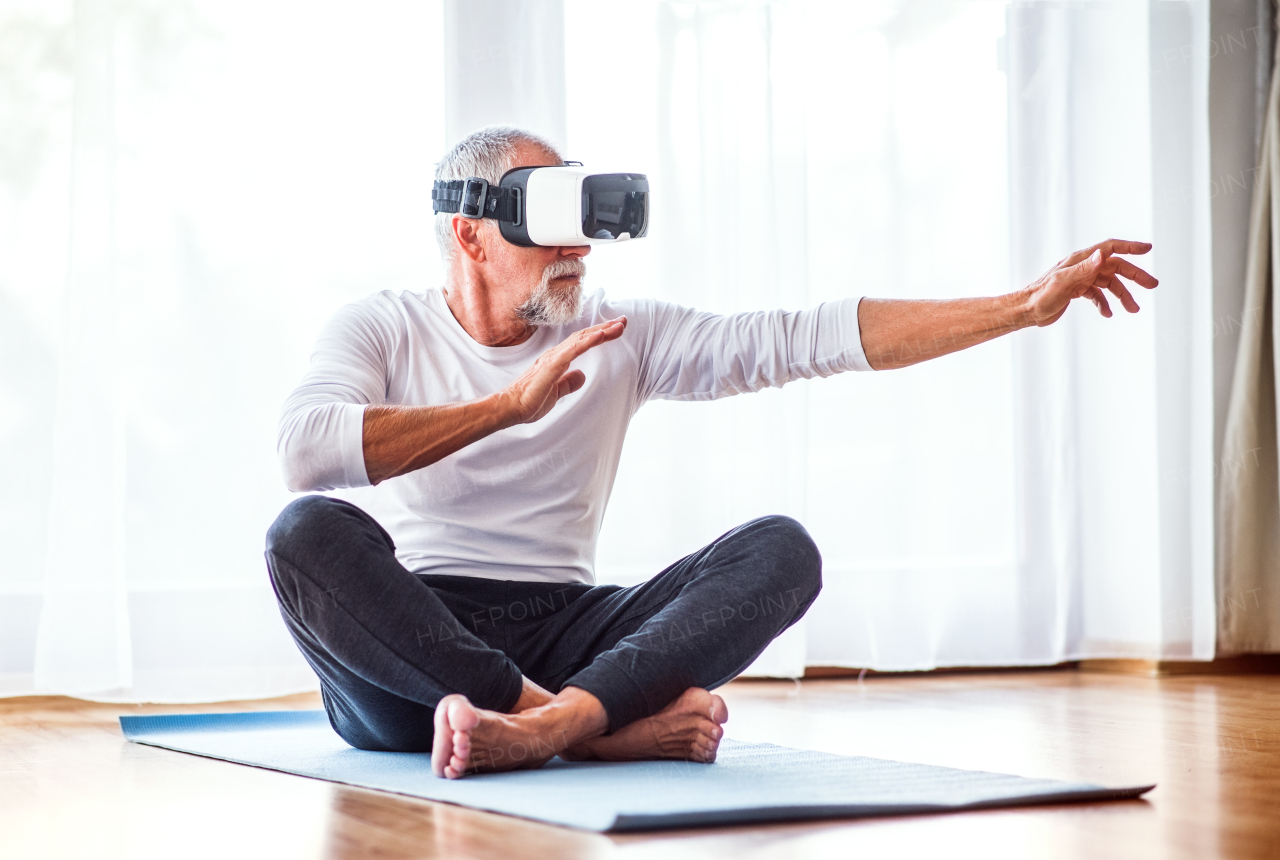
[501, 410]
[1019, 309]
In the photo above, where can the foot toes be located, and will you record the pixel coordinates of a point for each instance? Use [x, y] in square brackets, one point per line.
[442, 741]
[719, 711]
[454, 719]
[461, 713]
[704, 750]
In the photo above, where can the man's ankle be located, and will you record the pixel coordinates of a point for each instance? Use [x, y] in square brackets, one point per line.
[577, 714]
[531, 696]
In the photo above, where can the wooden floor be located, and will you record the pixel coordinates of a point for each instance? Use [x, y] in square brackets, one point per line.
[70, 786]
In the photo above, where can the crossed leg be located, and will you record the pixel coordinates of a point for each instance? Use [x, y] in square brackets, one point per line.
[658, 649]
[400, 671]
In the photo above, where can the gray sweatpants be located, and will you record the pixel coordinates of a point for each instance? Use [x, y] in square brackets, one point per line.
[388, 644]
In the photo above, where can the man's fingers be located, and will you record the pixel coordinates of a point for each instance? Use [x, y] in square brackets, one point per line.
[549, 379]
[1119, 246]
[554, 361]
[560, 388]
[569, 383]
[1088, 266]
[1133, 273]
[1109, 247]
[610, 328]
[613, 329]
[606, 331]
[1121, 292]
[1095, 295]
[579, 342]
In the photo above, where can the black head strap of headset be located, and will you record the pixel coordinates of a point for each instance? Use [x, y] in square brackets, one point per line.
[474, 197]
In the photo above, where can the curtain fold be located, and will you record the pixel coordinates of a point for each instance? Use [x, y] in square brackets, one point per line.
[1041, 54]
[504, 65]
[1249, 501]
[1114, 443]
[83, 643]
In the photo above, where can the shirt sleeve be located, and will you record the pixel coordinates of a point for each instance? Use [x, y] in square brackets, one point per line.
[321, 435]
[693, 355]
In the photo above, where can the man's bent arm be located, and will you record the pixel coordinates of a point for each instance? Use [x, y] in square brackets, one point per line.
[401, 439]
[898, 333]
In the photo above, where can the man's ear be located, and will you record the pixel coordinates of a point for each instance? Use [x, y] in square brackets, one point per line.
[466, 233]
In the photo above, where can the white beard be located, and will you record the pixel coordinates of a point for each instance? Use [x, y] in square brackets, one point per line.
[549, 306]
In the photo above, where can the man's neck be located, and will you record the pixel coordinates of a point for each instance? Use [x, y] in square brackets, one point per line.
[483, 314]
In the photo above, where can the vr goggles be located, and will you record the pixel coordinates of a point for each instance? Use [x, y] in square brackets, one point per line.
[565, 205]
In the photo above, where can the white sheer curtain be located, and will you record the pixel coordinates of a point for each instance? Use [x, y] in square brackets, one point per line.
[1115, 417]
[188, 189]
[1042, 498]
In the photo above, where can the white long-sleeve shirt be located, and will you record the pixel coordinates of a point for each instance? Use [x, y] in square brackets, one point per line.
[526, 503]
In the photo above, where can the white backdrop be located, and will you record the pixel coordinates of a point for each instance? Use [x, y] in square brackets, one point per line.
[187, 189]
[190, 189]
[1041, 498]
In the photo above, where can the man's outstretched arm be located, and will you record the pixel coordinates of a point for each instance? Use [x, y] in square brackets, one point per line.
[899, 333]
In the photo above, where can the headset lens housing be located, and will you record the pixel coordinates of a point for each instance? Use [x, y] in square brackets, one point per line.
[614, 204]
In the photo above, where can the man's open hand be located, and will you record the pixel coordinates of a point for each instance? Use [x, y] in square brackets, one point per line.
[1085, 274]
[549, 378]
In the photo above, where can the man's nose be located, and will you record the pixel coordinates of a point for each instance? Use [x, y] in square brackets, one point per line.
[574, 250]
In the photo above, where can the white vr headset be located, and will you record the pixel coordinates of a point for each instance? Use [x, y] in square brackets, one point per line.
[553, 205]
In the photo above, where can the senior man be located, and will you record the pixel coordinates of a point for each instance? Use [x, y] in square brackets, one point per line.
[458, 614]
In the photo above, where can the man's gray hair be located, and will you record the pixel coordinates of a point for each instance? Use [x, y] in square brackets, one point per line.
[487, 153]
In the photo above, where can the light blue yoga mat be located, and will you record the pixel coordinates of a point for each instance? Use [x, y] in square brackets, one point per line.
[749, 783]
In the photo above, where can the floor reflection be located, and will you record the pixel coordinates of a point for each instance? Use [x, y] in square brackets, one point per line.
[366, 824]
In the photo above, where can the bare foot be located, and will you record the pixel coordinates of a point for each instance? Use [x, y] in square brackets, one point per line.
[689, 728]
[470, 739]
